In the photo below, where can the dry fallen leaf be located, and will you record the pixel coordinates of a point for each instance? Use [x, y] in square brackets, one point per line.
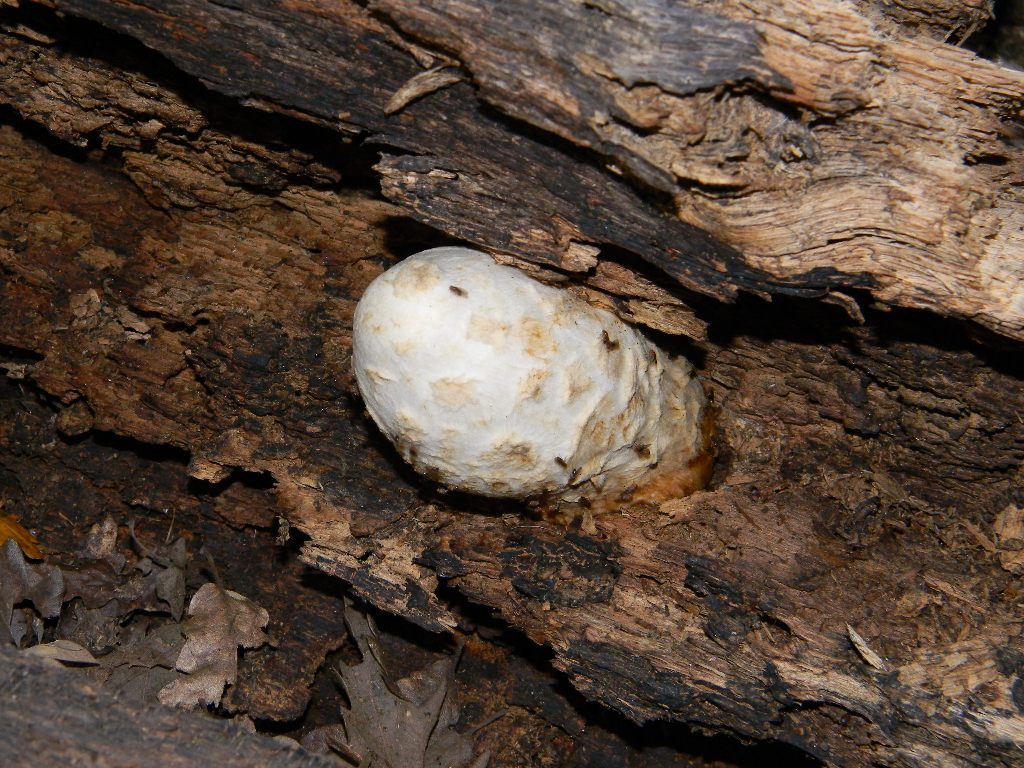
[103, 596]
[143, 662]
[64, 651]
[126, 617]
[101, 543]
[148, 644]
[219, 622]
[407, 723]
[40, 584]
[97, 629]
[11, 529]
[164, 572]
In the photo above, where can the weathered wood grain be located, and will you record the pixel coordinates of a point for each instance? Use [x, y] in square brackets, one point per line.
[797, 145]
[195, 288]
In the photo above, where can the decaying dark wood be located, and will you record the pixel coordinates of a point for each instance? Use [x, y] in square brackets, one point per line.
[799, 146]
[54, 717]
[844, 587]
[90, 477]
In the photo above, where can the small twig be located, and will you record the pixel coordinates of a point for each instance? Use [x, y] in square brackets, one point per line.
[869, 656]
[215, 572]
[138, 545]
[345, 752]
[487, 721]
[170, 527]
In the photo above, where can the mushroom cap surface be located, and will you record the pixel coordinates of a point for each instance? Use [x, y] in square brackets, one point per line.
[491, 382]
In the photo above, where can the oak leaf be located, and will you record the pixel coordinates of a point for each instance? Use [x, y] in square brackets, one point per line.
[38, 583]
[406, 723]
[219, 623]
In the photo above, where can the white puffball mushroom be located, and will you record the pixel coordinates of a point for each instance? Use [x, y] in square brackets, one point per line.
[491, 382]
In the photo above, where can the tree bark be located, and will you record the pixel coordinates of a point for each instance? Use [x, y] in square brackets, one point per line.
[850, 582]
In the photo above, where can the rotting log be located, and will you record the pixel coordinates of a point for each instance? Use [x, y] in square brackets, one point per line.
[52, 716]
[819, 150]
[848, 585]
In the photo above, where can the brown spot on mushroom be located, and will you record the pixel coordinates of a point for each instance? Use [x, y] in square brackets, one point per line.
[457, 291]
[577, 385]
[404, 347]
[521, 453]
[599, 428]
[561, 462]
[450, 438]
[513, 452]
[417, 277]
[452, 393]
[532, 386]
[487, 330]
[643, 451]
[409, 426]
[537, 340]
[610, 345]
[378, 377]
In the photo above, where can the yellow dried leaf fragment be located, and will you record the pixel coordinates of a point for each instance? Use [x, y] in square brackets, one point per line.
[10, 528]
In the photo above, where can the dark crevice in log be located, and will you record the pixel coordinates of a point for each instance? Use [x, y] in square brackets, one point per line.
[1001, 38]
[9, 115]
[145, 451]
[261, 481]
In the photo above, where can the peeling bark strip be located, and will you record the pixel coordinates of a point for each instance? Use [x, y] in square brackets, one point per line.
[194, 288]
[827, 151]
